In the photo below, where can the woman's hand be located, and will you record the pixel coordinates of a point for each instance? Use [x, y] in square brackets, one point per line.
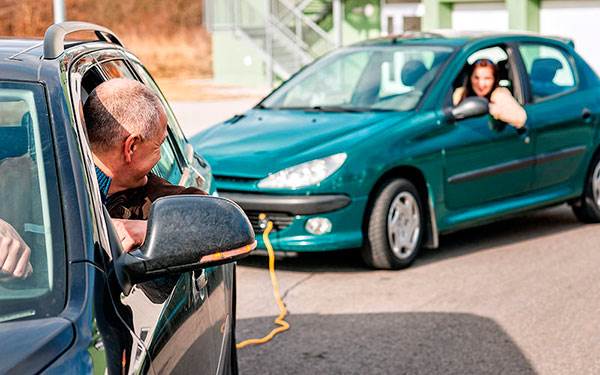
[505, 108]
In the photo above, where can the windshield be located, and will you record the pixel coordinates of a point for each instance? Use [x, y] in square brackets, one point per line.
[391, 78]
[32, 270]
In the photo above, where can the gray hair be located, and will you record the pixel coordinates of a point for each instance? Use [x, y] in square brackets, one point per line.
[118, 108]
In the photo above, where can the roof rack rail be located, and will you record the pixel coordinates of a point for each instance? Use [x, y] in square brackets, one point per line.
[54, 39]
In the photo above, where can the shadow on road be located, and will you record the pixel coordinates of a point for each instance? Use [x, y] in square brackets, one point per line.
[394, 343]
[528, 226]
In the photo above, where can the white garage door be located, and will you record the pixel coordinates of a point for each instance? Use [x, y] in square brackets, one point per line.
[480, 16]
[575, 19]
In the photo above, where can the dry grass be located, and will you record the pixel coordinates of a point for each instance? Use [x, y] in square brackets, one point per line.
[166, 35]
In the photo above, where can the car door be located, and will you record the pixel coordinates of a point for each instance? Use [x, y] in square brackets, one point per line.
[169, 317]
[217, 280]
[486, 161]
[561, 115]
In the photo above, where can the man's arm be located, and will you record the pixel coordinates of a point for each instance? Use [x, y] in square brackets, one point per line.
[131, 232]
[14, 253]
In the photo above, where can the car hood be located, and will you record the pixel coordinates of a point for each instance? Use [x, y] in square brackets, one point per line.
[261, 142]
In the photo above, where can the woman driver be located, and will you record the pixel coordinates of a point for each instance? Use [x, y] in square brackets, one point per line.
[483, 82]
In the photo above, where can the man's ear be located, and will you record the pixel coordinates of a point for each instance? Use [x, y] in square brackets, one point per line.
[130, 146]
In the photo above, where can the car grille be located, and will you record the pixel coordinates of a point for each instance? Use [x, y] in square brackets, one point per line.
[280, 220]
[234, 179]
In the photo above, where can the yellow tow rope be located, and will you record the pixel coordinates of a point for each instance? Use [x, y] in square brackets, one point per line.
[283, 325]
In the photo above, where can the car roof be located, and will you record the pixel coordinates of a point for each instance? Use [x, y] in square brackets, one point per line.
[453, 38]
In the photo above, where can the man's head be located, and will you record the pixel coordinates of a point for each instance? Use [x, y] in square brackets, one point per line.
[126, 124]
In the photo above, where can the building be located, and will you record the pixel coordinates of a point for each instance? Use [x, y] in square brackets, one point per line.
[261, 42]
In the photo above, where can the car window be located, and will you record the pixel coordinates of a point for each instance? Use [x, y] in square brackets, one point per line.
[367, 78]
[167, 167]
[117, 69]
[548, 70]
[507, 73]
[29, 204]
[176, 131]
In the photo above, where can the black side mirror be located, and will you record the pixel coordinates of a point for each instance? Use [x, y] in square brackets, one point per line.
[187, 232]
[470, 107]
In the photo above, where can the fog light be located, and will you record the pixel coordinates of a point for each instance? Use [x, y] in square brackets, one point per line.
[318, 225]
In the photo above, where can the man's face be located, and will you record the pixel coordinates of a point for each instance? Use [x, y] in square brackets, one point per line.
[145, 155]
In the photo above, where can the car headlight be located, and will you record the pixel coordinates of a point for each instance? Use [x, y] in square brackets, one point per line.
[305, 174]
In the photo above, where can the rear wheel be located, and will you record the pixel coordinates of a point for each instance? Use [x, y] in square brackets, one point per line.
[587, 208]
[395, 226]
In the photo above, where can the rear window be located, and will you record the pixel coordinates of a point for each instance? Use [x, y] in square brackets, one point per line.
[29, 208]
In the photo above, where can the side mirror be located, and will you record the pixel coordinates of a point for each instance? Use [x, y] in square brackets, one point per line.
[470, 107]
[187, 232]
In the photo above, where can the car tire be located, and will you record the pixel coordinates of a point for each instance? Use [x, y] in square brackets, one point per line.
[395, 226]
[587, 208]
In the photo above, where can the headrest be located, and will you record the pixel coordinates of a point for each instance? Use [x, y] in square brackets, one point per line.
[412, 71]
[545, 69]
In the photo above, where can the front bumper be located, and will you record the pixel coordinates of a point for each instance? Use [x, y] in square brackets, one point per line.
[289, 214]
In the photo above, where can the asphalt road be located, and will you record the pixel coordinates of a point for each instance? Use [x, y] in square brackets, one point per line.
[516, 297]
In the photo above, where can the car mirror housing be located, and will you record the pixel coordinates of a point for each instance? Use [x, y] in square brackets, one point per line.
[470, 107]
[187, 232]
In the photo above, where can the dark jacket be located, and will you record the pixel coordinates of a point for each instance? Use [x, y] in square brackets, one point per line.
[134, 204]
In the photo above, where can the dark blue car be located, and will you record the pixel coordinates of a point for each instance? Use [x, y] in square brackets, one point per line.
[167, 307]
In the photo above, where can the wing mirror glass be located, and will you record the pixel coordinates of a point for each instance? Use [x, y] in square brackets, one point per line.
[187, 232]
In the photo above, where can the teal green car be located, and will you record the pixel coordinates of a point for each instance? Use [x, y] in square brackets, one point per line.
[364, 149]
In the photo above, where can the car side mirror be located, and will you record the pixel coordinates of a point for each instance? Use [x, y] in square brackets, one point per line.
[469, 107]
[186, 232]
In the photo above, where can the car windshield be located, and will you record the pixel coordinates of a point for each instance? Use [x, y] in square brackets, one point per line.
[28, 208]
[388, 78]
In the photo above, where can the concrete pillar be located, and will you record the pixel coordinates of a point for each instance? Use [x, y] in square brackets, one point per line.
[438, 15]
[523, 14]
[338, 20]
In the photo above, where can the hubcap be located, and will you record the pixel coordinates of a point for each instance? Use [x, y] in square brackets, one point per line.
[404, 224]
[596, 185]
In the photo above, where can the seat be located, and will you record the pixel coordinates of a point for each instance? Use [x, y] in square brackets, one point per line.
[543, 72]
[412, 72]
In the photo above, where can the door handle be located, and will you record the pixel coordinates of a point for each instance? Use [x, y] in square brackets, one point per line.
[586, 114]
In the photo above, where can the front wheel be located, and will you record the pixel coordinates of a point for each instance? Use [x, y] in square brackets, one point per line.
[587, 208]
[395, 226]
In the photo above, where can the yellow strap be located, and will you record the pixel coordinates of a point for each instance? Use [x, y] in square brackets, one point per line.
[283, 325]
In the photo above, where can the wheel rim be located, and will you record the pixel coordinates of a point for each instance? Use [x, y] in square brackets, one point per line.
[404, 225]
[596, 184]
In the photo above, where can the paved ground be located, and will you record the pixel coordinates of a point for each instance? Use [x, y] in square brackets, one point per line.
[195, 116]
[515, 297]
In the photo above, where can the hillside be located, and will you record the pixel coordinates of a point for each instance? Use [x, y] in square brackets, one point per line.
[166, 35]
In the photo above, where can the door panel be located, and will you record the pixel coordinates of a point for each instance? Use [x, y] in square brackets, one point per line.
[484, 164]
[561, 138]
[561, 116]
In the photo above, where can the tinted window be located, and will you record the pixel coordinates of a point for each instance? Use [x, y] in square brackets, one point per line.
[548, 69]
[29, 204]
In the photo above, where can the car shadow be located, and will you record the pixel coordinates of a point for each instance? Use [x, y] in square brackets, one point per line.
[382, 343]
[528, 226]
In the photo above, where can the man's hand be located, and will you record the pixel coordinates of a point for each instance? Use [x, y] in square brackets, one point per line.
[131, 232]
[14, 253]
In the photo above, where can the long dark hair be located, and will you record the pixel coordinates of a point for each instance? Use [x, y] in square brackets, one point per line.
[480, 63]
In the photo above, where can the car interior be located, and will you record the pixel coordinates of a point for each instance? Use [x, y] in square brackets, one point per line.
[507, 72]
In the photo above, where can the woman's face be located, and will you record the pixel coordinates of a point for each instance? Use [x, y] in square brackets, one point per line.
[482, 80]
